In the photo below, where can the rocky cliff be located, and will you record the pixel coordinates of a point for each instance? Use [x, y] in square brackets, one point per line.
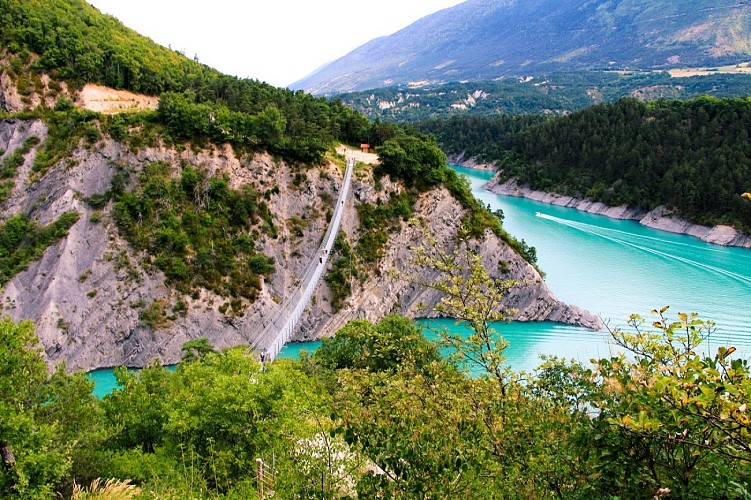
[382, 293]
[87, 293]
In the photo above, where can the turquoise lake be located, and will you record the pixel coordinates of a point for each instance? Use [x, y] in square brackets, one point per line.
[612, 268]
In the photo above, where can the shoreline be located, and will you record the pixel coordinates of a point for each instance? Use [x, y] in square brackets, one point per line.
[660, 218]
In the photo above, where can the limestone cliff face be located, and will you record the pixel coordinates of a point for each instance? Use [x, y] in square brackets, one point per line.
[87, 291]
[382, 293]
[10, 101]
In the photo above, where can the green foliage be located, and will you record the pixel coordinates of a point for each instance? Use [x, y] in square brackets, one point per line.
[376, 221]
[692, 157]
[295, 126]
[414, 426]
[360, 344]
[665, 420]
[435, 433]
[677, 417]
[555, 93]
[15, 160]
[414, 159]
[138, 411]
[10, 165]
[154, 316]
[23, 241]
[198, 231]
[66, 129]
[471, 295]
[479, 218]
[343, 271]
[77, 44]
[202, 427]
[196, 349]
[46, 423]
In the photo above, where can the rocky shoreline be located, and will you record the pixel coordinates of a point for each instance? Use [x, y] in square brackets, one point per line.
[659, 218]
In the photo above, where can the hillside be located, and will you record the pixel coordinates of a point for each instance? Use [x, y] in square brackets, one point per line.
[488, 39]
[127, 234]
[111, 292]
[548, 94]
[692, 157]
[166, 235]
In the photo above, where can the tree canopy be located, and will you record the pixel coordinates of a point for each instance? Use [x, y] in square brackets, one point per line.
[691, 156]
[377, 412]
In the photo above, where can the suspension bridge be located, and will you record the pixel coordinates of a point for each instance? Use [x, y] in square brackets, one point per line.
[278, 330]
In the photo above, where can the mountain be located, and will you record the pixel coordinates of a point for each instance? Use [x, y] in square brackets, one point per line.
[553, 94]
[125, 234]
[488, 39]
[688, 159]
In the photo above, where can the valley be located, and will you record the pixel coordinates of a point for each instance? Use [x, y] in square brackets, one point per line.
[170, 226]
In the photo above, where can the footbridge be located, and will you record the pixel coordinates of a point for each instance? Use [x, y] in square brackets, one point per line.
[278, 330]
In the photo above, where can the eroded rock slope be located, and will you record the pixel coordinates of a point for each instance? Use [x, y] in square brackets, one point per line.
[88, 292]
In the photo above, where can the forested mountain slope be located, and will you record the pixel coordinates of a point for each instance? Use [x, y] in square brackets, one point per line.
[487, 39]
[693, 156]
[548, 94]
[127, 234]
[165, 235]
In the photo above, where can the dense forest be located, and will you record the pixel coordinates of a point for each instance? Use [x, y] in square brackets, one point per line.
[692, 156]
[71, 41]
[553, 94]
[376, 412]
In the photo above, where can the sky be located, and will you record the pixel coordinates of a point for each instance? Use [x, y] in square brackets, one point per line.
[276, 41]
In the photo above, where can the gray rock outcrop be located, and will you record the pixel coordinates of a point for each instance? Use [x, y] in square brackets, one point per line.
[10, 101]
[87, 292]
[383, 293]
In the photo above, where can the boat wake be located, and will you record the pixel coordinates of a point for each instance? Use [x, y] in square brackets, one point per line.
[598, 231]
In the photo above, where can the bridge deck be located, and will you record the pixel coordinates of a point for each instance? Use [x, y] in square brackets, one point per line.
[278, 331]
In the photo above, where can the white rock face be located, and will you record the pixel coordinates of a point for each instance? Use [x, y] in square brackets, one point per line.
[10, 100]
[512, 188]
[86, 293]
[659, 218]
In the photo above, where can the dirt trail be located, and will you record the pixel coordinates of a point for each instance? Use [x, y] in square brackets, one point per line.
[107, 100]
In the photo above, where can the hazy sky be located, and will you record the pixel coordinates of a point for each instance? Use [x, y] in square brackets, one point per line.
[277, 41]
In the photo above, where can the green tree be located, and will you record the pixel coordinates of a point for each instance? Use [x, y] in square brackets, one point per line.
[196, 349]
[413, 158]
[416, 426]
[138, 410]
[38, 417]
[360, 344]
[670, 418]
[469, 294]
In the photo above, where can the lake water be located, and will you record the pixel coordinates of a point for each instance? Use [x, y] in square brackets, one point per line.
[612, 268]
